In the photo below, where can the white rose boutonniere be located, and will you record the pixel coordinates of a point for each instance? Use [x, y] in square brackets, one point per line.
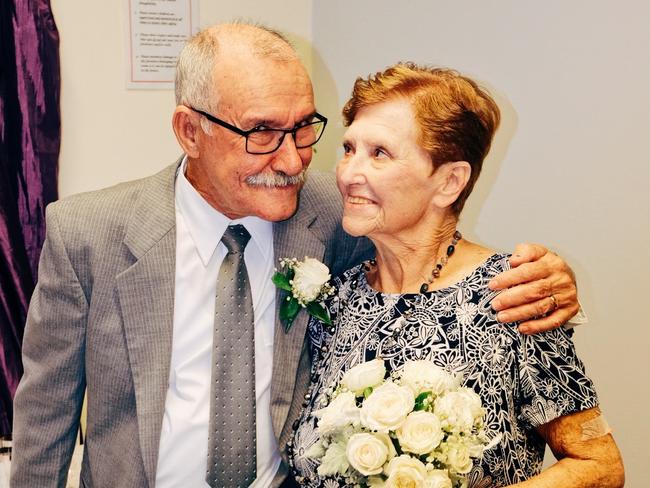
[307, 284]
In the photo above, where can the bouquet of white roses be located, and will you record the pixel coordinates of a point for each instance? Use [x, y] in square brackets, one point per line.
[417, 428]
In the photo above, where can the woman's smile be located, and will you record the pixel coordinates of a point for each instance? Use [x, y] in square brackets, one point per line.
[357, 200]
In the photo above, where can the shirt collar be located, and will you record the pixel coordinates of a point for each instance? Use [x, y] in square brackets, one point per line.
[206, 225]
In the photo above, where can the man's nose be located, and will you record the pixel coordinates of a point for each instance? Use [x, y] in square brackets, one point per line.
[288, 159]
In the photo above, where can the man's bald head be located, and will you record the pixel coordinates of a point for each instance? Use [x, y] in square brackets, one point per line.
[202, 55]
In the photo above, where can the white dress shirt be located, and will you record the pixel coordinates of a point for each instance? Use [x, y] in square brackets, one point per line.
[199, 252]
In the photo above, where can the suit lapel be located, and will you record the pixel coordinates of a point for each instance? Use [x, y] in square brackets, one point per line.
[293, 239]
[146, 293]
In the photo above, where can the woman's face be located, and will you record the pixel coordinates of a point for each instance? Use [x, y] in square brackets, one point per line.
[385, 177]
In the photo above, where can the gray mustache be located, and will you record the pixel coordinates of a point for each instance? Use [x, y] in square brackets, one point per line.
[276, 179]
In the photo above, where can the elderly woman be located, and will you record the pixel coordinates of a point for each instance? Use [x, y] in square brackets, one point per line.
[414, 148]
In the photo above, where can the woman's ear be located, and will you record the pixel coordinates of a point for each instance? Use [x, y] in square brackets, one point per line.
[452, 179]
[186, 125]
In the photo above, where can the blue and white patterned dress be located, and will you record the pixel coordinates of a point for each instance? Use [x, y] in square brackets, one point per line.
[523, 381]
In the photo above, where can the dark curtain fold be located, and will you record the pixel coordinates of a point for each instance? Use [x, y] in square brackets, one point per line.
[30, 126]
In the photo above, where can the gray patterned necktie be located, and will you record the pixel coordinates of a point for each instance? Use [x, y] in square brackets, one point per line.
[232, 453]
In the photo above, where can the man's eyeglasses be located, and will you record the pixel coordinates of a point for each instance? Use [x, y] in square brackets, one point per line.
[265, 141]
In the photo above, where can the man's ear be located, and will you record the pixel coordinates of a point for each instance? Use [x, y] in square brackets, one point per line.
[186, 125]
[452, 179]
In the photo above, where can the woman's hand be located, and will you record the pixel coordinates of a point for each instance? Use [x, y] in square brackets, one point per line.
[586, 452]
[540, 290]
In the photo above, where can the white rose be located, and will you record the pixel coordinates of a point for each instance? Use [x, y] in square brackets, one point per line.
[458, 458]
[367, 453]
[341, 412]
[364, 375]
[438, 478]
[385, 438]
[308, 279]
[473, 403]
[423, 375]
[387, 407]
[405, 472]
[458, 411]
[420, 433]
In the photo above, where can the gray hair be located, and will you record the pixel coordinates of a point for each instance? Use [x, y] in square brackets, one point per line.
[197, 61]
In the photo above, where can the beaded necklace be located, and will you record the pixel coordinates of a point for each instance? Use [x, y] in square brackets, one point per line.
[435, 272]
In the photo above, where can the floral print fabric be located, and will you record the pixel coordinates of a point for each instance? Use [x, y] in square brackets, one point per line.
[523, 381]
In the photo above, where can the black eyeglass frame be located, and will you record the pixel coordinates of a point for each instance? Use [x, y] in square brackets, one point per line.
[246, 133]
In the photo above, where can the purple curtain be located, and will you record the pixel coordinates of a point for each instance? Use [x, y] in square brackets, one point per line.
[30, 126]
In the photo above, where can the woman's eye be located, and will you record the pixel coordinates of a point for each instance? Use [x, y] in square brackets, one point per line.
[346, 148]
[379, 152]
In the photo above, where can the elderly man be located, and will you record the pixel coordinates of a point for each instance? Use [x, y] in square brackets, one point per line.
[155, 296]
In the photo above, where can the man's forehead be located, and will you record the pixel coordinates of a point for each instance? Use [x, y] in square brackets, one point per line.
[241, 64]
[278, 116]
[266, 92]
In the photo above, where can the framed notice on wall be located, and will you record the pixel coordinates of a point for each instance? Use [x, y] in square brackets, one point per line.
[156, 31]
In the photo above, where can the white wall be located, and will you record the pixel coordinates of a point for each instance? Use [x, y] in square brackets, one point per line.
[568, 168]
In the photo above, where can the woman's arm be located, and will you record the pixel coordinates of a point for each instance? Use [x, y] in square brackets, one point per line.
[586, 452]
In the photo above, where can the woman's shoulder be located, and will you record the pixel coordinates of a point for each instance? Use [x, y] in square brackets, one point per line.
[473, 262]
[495, 262]
[473, 294]
[479, 265]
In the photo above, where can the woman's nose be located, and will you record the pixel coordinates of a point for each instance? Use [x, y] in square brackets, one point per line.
[350, 170]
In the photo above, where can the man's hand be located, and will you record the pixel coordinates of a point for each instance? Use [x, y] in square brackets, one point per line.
[540, 290]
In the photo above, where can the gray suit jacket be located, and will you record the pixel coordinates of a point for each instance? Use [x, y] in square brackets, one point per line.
[101, 319]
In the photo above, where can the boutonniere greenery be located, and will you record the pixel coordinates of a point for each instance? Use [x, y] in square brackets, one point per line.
[307, 284]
